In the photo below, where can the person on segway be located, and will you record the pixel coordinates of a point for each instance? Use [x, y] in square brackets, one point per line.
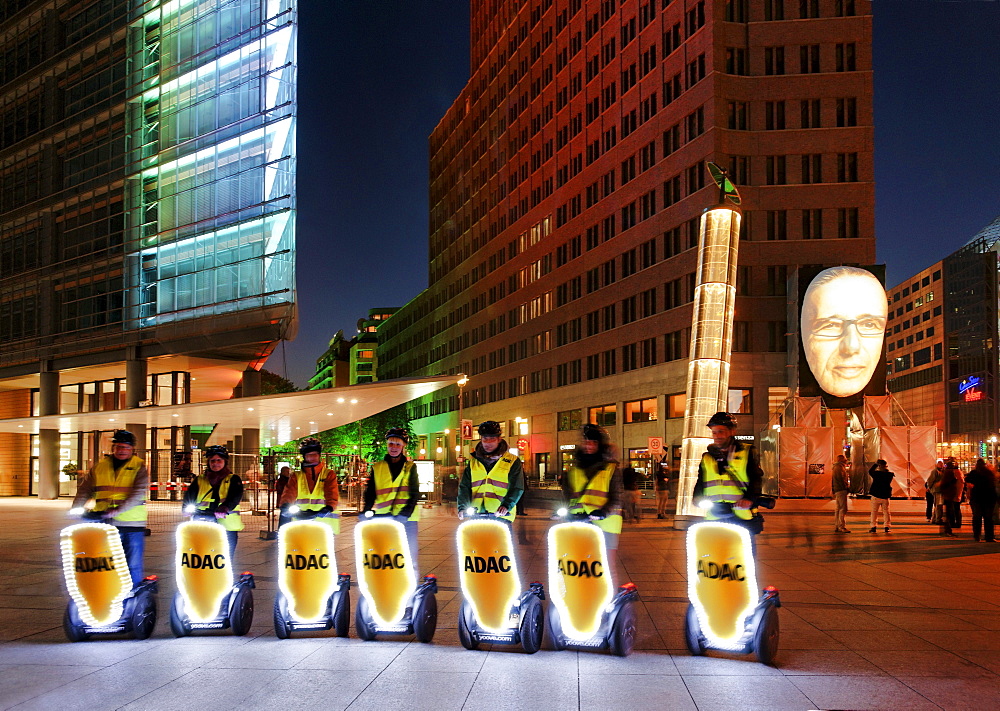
[593, 485]
[730, 477]
[314, 491]
[493, 480]
[118, 484]
[393, 488]
[217, 492]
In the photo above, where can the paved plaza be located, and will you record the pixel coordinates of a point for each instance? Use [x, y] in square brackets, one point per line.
[901, 621]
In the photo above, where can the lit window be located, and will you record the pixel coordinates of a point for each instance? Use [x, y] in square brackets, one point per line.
[741, 401]
[603, 415]
[676, 404]
[641, 410]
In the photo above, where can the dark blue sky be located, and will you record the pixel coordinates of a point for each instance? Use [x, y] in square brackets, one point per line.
[375, 76]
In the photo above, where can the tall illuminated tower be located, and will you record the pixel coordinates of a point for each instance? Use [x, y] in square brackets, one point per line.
[711, 331]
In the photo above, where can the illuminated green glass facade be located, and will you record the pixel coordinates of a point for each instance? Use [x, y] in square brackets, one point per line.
[210, 184]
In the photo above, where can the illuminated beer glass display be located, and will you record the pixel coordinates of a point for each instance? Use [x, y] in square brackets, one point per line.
[96, 571]
[307, 568]
[488, 571]
[722, 580]
[204, 571]
[579, 580]
[711, 340]
[385, 572]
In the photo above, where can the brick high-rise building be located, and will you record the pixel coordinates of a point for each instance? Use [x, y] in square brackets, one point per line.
[567, 180]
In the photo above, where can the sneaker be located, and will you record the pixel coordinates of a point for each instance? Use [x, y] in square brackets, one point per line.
[887, 529]
[872, 530]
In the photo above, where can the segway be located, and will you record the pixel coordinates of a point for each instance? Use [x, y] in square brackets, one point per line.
[493, 607]
[206, 597]
[725, 612]
[391, 601]
[311, 595]
[102, 598]
[586, 611]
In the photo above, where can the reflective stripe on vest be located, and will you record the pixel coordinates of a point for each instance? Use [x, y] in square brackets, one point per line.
[727, 486]
[591, 495]
[111, 487]
[392, 495]
[314, 499]
[490, 487]
[232, 522]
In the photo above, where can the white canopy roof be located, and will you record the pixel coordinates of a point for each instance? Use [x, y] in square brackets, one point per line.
[280, 418]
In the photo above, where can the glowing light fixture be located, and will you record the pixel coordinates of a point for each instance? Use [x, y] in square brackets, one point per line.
[580, 597]
[385, 572]
[96, 571]
[488, 571]
[307, 572]
[204, 568]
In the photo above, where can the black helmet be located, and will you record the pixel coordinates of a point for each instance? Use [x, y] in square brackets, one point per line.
[490, 428]
[310, 444]
[123, 437]
[217, 450]
[594, 433]
[399, 433]
[722, 418]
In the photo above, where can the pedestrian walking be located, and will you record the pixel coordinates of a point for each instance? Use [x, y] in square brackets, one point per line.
[880, 491]
[631, 511]
[662, 483]
[982, 498]
[933, 491]
[952, 483]
[841, 485]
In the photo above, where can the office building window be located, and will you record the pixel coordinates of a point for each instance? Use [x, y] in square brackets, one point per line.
[641, 410]
[602, 415]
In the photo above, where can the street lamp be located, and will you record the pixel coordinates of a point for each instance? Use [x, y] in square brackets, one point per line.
[462, 382]
[993, 449]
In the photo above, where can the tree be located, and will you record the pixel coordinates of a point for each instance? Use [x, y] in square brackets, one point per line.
[273, 384]
[371, 433]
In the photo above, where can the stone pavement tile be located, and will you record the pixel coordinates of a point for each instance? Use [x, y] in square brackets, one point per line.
[860, 693]
[797, 662]
[100, 652]
[979, 620]
[184, 656]
[614, 692]
[22, 682]
[827, 619]
[637, 663]
[958, 694]
[769, 693]
[808, 638]
[987, 660]
[356, 655]
[882, 639]
[964, 641]
[914, 663]
[305, 689]
[917, 621]
[207, 688]
[811, 597]
[416, 691]
[437, 657]
[267, 653]
[741, 665]
[503, 689]
[863, 598]
[108, 688]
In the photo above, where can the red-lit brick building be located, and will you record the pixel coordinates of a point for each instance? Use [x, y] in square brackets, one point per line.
[567, 180]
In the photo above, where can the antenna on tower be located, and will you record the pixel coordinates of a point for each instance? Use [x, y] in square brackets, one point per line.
[727, 191]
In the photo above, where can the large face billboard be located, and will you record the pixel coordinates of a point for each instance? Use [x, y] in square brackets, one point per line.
[842, 319]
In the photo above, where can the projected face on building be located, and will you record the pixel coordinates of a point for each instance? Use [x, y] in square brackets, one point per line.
[844, 314]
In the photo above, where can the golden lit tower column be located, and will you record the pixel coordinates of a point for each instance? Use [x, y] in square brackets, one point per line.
[711, 332]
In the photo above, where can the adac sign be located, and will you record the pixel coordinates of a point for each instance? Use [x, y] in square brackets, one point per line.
[581, 569]
[490, 564]
[203, 562]
[86, 564]
[307, 562]
[714, 571]
[388, 561]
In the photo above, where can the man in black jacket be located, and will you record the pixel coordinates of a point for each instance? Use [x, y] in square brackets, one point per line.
[880, 491]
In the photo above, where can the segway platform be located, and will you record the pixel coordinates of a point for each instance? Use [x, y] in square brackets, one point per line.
[391, 601]
[102, 599]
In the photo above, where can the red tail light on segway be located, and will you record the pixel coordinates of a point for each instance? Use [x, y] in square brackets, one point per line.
[151, 578]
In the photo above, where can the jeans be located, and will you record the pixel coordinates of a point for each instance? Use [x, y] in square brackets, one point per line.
[233, 538]
[412, 528]
[134, 544]
[880, 504]
[982, 517]
[632, 511]
[840, 513]
[930, 505]
[662, 499]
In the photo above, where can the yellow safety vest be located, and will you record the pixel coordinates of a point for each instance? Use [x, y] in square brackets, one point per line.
[391, 495]
[111, 487]
[591, 495]
[728, 486]
[490, 487]
[315, 499]
[232, 522]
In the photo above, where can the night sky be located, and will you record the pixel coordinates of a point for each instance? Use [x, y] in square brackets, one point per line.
[375, 76]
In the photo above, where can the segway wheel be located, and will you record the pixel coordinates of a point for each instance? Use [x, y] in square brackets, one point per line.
[692, 632]
[362, 621]
[425, 618]
[765, 637]
[554, 626]
[282, 630]
[73, 631]
[622, 638]
[241, 616]
[532, 626]
[464, 634]
[143, 615]
[177, 624]
[342, 615]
